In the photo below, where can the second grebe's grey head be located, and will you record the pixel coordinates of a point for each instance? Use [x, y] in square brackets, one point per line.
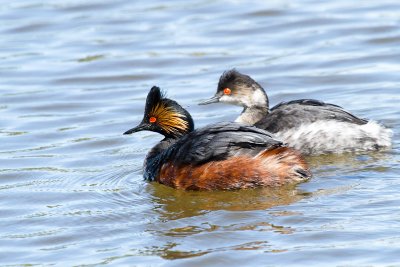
[239, 89]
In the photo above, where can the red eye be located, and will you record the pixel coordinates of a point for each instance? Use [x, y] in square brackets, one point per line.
[227, 91]
[152, 119]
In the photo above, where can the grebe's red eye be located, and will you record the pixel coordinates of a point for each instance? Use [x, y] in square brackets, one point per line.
[152, 119]
[227, 91]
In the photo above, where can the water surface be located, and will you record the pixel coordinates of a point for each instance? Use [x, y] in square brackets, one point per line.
[74, 77]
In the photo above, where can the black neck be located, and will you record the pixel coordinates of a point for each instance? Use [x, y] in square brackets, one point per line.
[154, 158]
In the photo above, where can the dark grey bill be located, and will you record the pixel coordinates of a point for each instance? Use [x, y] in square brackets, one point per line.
[214, 99]
[138, 128]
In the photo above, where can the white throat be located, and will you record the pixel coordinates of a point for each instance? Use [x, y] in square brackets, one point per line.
[252, 115]
[255, 107]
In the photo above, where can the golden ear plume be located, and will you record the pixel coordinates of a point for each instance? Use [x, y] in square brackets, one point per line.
[168, 118]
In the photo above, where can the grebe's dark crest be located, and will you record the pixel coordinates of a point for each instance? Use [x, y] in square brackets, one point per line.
[164, 116]
[309, 125]
[220, 156]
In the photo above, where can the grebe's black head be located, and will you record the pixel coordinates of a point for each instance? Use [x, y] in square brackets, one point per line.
[238, 89]
[164, 116]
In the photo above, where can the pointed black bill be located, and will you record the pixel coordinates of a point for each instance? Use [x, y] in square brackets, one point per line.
[214, 99]
[138, 128]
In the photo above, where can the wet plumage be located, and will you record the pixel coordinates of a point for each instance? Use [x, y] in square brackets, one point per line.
[221, 156]
[311, 126]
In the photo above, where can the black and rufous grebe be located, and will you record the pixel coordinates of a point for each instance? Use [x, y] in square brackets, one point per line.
[311, 126]
[220, 156]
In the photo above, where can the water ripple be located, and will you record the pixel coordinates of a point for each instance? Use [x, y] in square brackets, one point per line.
[75, 76]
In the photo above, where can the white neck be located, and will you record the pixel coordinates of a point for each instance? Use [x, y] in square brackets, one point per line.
[255, 107]
[252, 115]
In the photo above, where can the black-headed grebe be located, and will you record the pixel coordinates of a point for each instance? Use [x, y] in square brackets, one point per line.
[311, 126]
[220, 156]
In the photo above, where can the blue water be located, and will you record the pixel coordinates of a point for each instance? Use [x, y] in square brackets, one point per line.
[74, 77]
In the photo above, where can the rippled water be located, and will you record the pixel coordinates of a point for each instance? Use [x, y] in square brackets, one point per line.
[74, 77]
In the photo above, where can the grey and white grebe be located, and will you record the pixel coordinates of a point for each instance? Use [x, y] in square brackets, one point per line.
[220, 156]
[309, 125]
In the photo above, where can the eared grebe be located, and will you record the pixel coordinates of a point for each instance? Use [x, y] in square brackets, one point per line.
[311, 126]
[221, 156]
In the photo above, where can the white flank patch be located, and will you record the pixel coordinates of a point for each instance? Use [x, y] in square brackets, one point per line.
[337, 137]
